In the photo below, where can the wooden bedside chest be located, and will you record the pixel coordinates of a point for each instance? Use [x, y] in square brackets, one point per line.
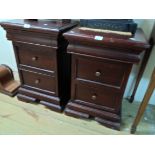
[40, 51]
[101, 65]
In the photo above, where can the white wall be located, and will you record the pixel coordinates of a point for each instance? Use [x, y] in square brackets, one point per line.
[7, 57]
[146, 25]
[6, 51]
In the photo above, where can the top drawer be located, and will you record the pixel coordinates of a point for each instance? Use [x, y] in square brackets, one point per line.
[37, 56]
[101, 71]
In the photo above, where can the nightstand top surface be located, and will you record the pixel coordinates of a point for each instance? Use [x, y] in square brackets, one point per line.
[39, 25]
[105, 45]
[139, 38]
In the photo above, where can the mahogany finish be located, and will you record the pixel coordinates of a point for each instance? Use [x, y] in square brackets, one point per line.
[40, 81]
[34, 56]
[40, 51]
[100, 71]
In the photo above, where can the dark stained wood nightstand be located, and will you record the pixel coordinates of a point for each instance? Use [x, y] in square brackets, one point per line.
[101, 65]
[40, 51]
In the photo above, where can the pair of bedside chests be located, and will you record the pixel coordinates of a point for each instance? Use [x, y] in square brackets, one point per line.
[67, 68]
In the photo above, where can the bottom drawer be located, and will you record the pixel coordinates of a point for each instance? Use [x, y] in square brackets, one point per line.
[40, 81]
[97, 94]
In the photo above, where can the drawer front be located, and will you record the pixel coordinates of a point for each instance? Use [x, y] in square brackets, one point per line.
[37, 56]
[100, 95]
[40, 81]
[106, 72]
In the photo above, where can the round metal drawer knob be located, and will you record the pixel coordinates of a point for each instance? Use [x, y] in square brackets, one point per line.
[98, 74]
[93, 97]
[37, 81]
[34, 58]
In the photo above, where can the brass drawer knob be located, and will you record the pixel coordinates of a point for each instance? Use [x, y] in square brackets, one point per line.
[34, 58]
[98, 74]
[37, 81]
[93, 97]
